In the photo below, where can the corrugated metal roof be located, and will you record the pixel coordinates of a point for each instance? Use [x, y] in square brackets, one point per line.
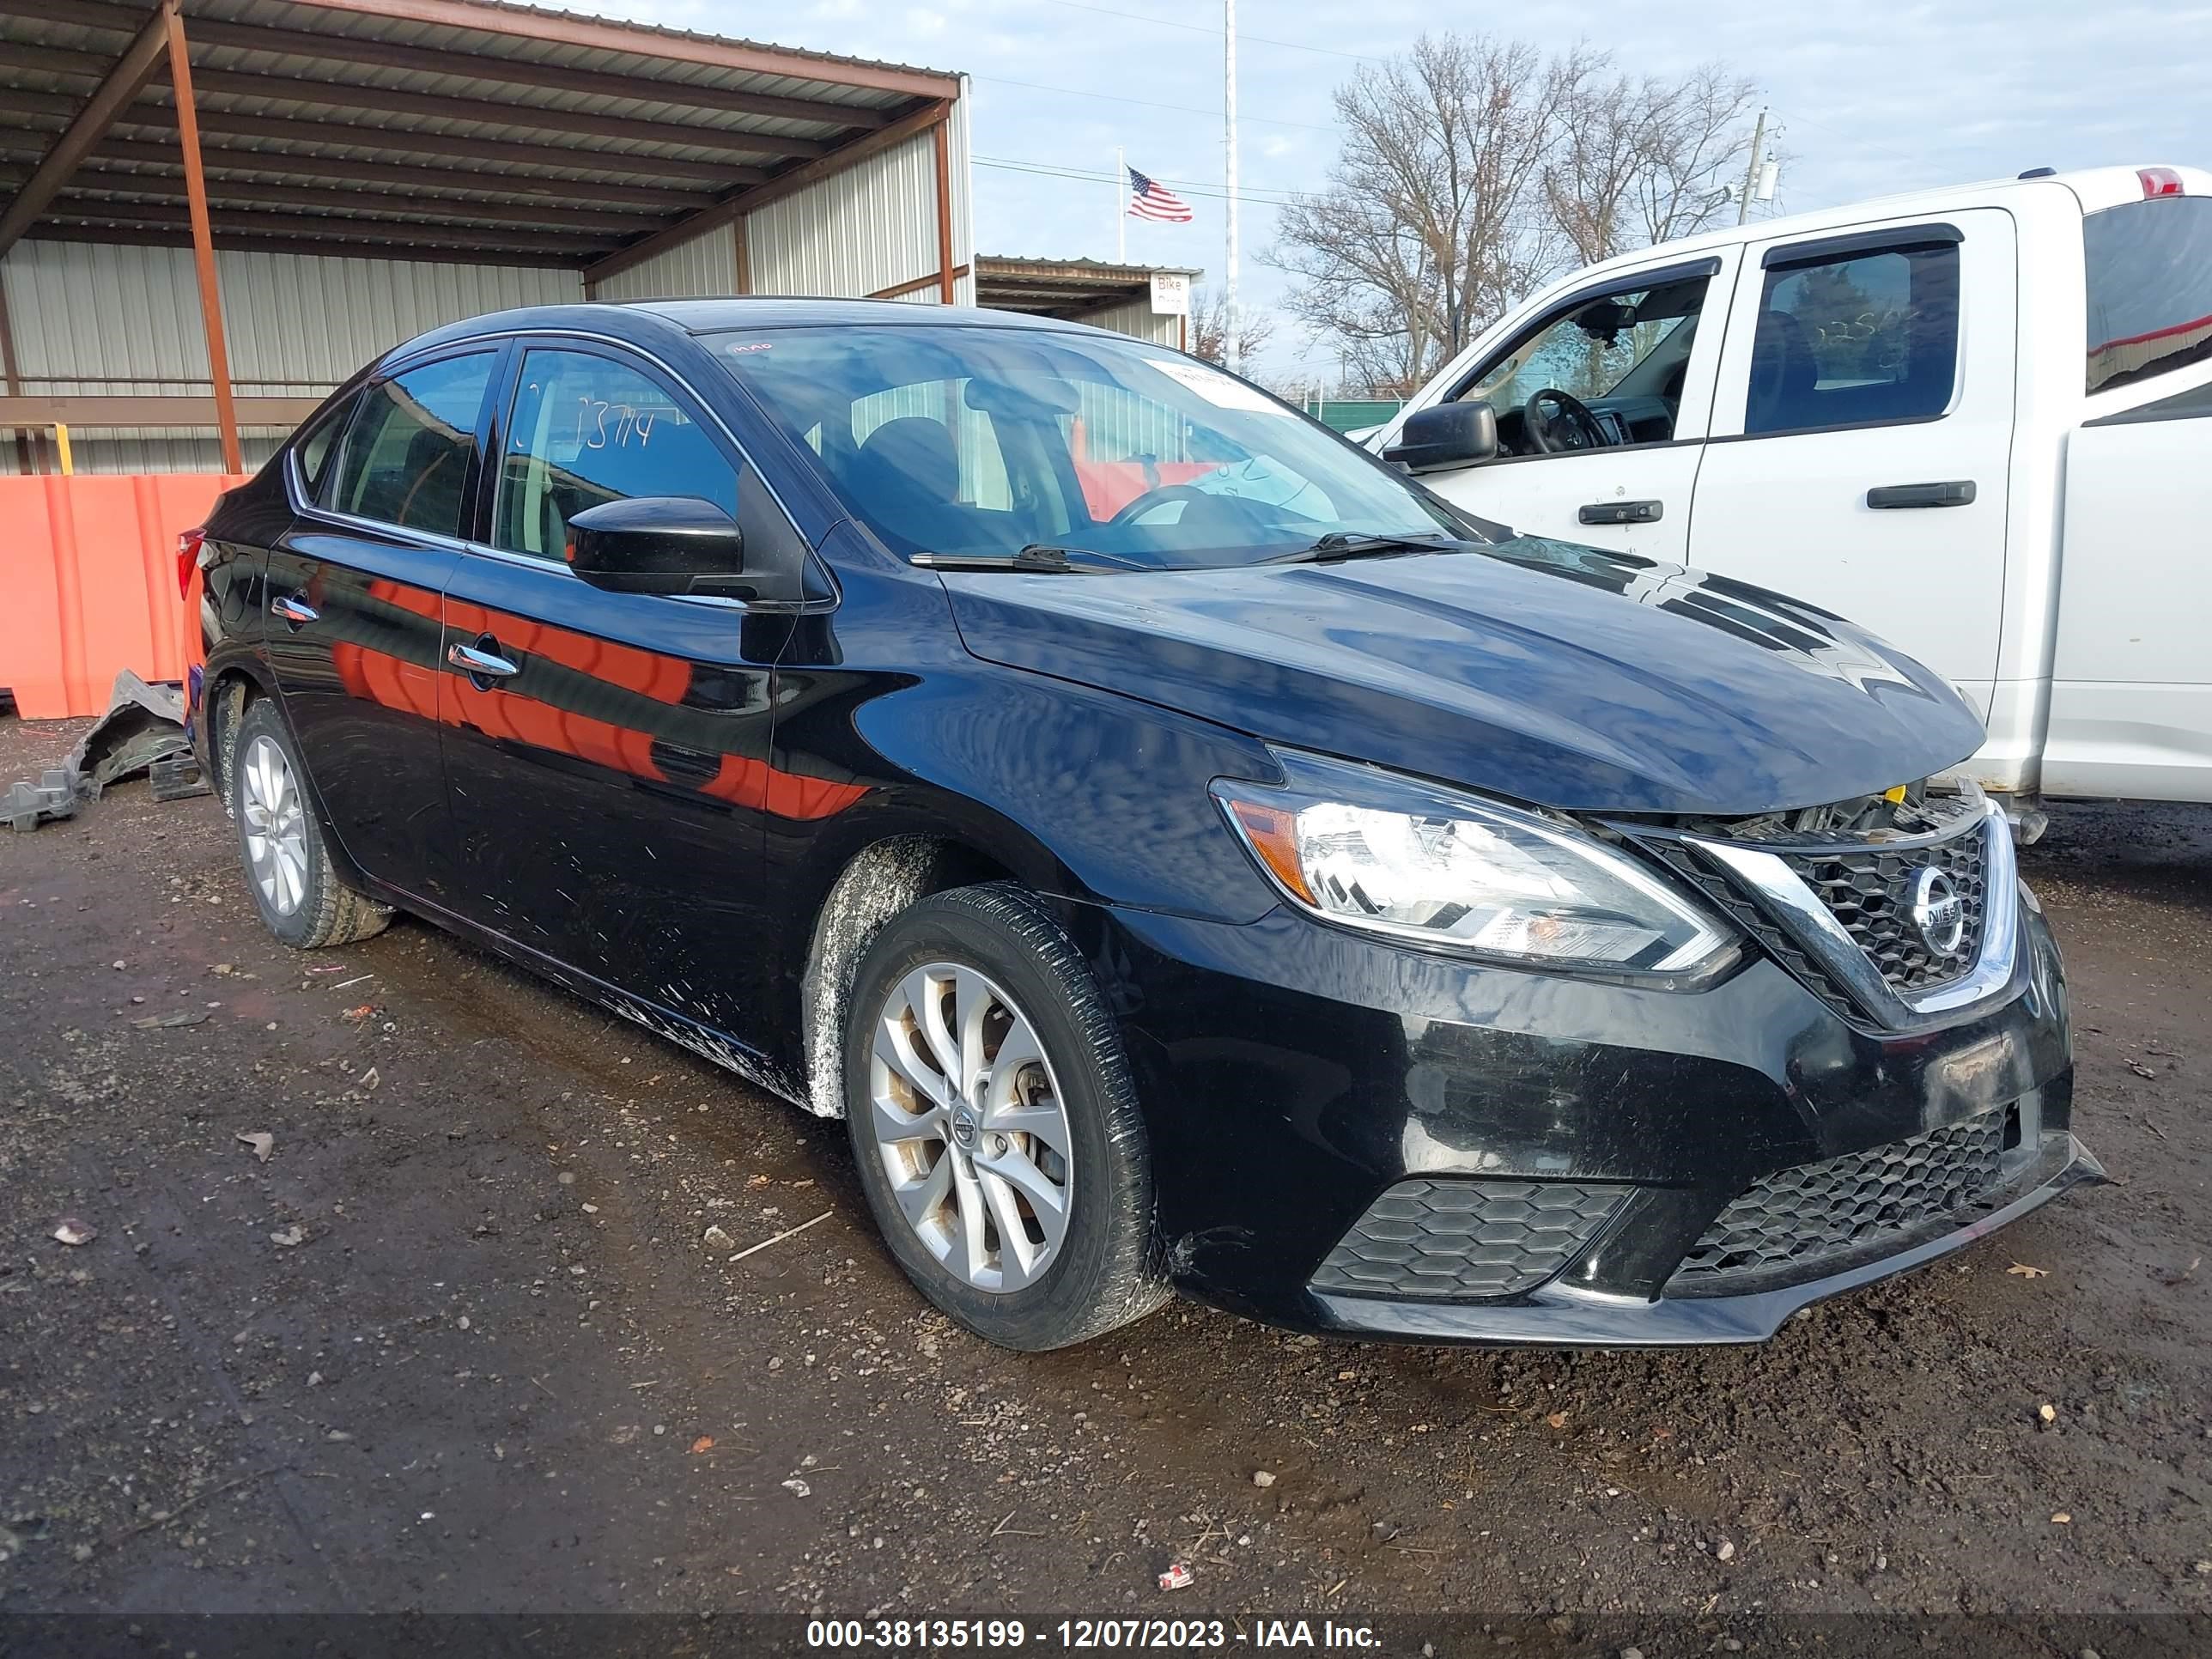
[1068, 288]
[374, 124]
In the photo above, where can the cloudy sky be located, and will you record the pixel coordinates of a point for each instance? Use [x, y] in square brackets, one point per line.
[1872, 99]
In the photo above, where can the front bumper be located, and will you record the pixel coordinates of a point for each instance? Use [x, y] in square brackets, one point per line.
[1293, 1073]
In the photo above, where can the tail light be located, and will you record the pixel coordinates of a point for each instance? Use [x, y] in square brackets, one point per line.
[188, 560]
[2160, 181]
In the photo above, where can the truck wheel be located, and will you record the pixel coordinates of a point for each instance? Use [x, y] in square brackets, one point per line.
[995, 1125]
[288, 868]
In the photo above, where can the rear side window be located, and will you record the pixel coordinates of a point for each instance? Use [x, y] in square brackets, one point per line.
[587, 430]
[408, 447]
[1855, 340]
[2148, 265]
[314, 451]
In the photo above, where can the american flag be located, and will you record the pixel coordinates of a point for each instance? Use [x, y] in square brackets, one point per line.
[1150, 199]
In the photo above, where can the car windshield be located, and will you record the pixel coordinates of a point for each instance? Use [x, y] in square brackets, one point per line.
[980, 440]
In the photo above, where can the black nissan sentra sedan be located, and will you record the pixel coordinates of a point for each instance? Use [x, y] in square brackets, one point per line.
[1187, 854]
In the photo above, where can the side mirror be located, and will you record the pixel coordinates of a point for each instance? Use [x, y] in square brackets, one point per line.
[1445, 435]
[657, 544]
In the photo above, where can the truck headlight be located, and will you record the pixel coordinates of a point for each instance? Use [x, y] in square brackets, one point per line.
[1388, 853]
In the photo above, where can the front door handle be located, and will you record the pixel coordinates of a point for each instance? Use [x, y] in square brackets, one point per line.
[292, 609]
[1622, 513]
[480, 665]
[1959, 492]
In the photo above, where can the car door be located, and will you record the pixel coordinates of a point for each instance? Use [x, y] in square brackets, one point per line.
[607, 754]
[1861, 445]
[352, 630]
[1638, 350]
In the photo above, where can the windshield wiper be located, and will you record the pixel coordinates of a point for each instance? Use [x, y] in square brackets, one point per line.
[1036, 559]
[1341, 544]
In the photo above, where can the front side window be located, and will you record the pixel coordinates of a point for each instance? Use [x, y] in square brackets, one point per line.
[407, 450]
[2149, 269]
[1623, 355]
[587, 429]
[1856, 339]
[981, 440]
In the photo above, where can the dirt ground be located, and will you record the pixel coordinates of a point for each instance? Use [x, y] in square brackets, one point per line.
[458, 1345]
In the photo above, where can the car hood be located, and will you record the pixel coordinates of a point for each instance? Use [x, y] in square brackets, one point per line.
[1564, 675]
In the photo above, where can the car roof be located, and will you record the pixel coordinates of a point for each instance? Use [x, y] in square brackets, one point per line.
[640, 322]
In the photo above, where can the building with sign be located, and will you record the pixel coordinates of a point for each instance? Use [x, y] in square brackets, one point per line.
[1151, 302]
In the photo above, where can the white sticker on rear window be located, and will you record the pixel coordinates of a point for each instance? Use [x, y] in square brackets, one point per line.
[1222, 390]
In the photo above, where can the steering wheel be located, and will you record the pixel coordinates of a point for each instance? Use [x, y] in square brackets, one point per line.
[1160, 496]
[1573, 427]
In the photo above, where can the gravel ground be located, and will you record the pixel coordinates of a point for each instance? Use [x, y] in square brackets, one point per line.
[458, 1345]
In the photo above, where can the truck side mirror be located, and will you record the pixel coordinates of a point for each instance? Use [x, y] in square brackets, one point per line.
[1445, 435]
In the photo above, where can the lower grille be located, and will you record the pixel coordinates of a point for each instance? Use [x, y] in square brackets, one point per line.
[1466, 1238]
[1798, 1222]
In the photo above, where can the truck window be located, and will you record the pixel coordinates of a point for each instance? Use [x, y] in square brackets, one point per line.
[2148, 266]
[1625, 355]
[1856, 339]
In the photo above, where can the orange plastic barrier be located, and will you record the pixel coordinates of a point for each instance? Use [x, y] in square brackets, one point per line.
[89, 584]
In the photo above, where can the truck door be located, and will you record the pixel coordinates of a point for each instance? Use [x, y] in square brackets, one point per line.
[1861, 434]
[1614, 462]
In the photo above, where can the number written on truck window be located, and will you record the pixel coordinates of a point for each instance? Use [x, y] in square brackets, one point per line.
[1856, 340]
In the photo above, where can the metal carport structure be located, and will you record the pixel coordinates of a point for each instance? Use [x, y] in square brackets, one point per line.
[219, 209]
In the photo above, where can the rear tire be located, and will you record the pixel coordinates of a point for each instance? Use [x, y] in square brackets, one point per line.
[301, 897]
[1020, 1201]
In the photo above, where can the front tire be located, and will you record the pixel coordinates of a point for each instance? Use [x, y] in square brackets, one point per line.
[994, 1122]
[288, 867]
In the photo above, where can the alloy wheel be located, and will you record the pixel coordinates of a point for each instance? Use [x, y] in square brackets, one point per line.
[275, 823]
[969, 1124]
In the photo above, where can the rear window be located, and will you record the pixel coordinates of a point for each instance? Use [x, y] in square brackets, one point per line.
[2149, 270]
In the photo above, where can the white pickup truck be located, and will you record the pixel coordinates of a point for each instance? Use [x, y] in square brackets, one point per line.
[1977, 421]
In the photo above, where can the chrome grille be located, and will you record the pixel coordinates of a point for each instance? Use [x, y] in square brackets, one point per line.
[1869, 890]
[1797, 1221]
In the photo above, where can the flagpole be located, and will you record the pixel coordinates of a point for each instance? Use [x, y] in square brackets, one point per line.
[1229, 134]
[1120, 208]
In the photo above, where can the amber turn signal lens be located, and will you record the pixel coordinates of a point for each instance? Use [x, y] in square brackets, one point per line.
[1272, 832]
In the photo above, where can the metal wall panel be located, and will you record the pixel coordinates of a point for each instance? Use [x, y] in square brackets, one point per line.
[1136, 318]
[93, 318]
[873, 226]
[704, 267]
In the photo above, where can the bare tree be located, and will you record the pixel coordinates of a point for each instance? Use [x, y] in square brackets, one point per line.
[1209, 329]
[1432, 221]
[1635, 162]
[1698, 141]
[1473, 169]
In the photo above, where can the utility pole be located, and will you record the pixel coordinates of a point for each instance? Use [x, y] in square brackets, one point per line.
[1751, 172]
[1120, 208]
[1231, 353]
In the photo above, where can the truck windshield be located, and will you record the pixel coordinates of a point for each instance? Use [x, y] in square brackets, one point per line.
[981, 440]
[2149, 270]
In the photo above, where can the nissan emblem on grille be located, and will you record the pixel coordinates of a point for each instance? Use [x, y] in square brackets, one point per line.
[1938, 912]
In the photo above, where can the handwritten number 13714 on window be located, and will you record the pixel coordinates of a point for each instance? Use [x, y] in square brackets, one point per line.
[599, 422]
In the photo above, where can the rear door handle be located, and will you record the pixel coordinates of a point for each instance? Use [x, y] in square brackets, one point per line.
[1958, 493]
[480, 665]
[1621, 512]
[292, 609]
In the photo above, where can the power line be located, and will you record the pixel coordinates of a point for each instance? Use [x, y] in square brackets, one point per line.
[1273, 198]
[1199, 28]
[1144, 103]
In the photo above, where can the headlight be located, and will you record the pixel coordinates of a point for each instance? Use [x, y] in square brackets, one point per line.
[1375, 850]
